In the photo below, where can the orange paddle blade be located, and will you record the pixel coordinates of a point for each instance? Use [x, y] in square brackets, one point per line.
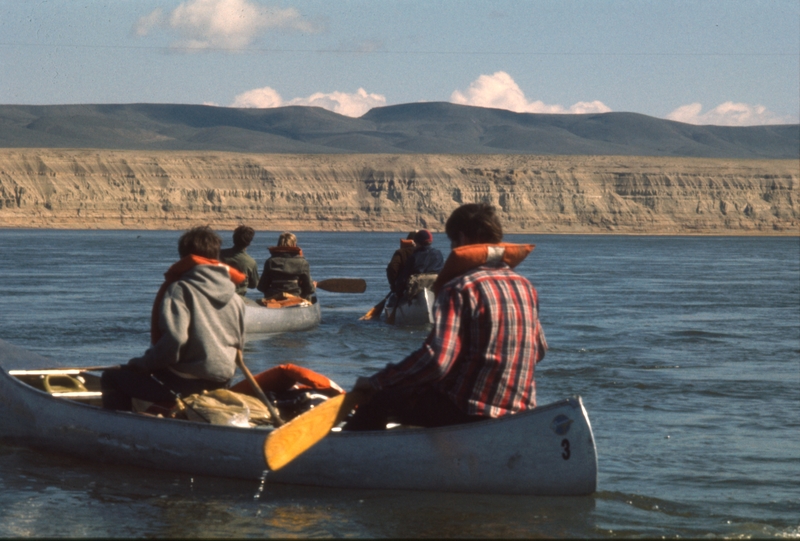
[375, 311]
[289, 441]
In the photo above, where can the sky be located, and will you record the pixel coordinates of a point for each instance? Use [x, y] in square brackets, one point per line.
[723, 62]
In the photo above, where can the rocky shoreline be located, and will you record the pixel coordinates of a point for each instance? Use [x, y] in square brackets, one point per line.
[102, 189]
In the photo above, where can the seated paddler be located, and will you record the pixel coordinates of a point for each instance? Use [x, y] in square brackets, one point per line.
[238, 258]
[286, 272]
[423, 260]
[399, 259]
[197, 326]
[478, 360]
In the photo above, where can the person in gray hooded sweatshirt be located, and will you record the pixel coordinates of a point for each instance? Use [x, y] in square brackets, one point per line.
[197, 326]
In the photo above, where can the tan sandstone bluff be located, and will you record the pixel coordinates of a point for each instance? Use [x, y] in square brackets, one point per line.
[99, 189]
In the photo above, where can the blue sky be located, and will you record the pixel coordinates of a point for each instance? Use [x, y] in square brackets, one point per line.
[728, 62]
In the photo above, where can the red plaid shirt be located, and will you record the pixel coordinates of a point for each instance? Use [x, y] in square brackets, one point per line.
[484, 345]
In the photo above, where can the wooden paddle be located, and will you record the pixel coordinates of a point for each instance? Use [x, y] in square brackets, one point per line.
[273, 411]
[286, 443]
[343, 285]
[375, 311]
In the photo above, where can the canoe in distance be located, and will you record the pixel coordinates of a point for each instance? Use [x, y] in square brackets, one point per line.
[412, 313]
[549, 450]
[258, 319]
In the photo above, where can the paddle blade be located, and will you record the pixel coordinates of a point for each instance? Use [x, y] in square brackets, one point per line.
[289, 441]
[343, 285]
[375, 311]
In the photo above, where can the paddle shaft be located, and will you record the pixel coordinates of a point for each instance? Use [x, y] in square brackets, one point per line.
[390, 317]
[376, 310]
[343, 285]
[276, 416]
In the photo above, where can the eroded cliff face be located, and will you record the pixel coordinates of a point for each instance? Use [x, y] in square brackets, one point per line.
[46, 188]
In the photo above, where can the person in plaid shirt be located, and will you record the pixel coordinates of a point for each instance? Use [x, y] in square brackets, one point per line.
[478, 361]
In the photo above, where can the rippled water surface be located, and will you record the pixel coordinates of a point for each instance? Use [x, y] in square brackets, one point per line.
[686, 352]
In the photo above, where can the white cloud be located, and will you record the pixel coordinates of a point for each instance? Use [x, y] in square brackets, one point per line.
[353, 105]
[259, 98]
[500, 91]
[727, 114]
[148, 22]
[223, 24]
[587, 107]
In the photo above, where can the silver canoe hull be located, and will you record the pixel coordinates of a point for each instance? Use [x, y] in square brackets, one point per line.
[547, 451]
[259, 319]
[416, 312]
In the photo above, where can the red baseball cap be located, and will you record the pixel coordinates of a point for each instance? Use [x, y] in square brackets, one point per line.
[423, 237]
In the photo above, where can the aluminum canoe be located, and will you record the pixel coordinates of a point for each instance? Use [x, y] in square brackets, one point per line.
[549, 450]
[259, 319]
[417, 311]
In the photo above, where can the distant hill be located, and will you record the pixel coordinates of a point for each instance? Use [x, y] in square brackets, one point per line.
[430, 128]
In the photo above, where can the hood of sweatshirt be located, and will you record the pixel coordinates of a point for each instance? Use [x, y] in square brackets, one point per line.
[212, 281]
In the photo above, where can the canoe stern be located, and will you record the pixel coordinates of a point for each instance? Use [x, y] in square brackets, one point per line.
[546, 451]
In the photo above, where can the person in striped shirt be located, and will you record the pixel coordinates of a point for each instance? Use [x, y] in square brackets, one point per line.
[478, 360]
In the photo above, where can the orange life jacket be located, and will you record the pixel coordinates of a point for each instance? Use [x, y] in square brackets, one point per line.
[173, 274]
[291, 250]
[470, 256]
[286, 376]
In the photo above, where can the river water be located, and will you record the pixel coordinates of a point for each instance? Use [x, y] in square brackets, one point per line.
[686, 351]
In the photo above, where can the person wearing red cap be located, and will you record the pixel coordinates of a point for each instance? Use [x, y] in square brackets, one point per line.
[478, 360]
[425, 259]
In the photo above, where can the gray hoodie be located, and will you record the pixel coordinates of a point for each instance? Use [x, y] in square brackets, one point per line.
[202, 326]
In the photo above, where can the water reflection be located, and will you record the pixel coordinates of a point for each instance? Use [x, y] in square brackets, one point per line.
[109, 500]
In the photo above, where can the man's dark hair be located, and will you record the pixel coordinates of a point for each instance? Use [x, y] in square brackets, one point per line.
[243, 236]
[200, 241]
[477, 221]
